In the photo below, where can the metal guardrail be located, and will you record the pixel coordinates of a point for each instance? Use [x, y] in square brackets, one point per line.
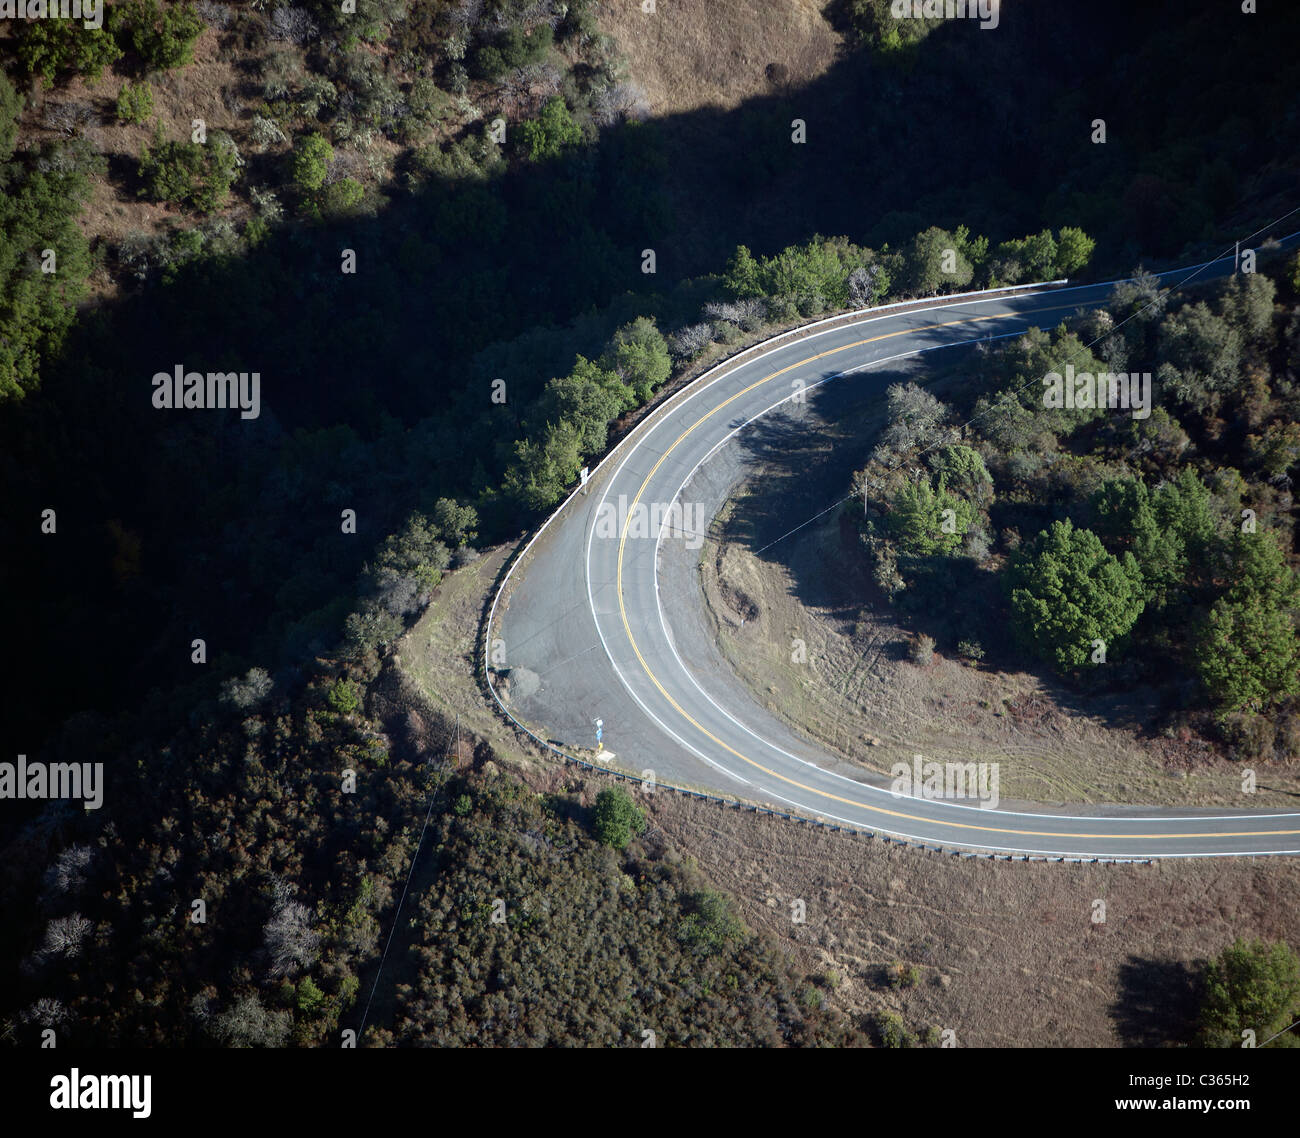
[702, 380]
[686, 390]
[834, 827]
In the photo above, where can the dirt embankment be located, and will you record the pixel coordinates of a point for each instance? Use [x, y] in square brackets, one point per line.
[812, 638]
[1005, 954]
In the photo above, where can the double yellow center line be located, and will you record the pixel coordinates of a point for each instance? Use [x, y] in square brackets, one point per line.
[804, 786]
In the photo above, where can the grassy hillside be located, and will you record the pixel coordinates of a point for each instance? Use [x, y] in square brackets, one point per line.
[447, 321]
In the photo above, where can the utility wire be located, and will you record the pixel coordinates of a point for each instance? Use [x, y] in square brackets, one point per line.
[1159, 298]
[410, 873]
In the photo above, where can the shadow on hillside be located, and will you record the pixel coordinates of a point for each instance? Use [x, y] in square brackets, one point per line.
[802, 465]
[1158, 1003]
[375, 385]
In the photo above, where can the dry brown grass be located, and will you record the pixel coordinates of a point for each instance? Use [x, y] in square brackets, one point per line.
[690, 53]
[1008, 953]
[196, 91]
[859, 695]
[210, 88]
[717, 53]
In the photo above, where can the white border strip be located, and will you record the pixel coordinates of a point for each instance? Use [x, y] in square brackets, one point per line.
[692, 388]
[698, 383]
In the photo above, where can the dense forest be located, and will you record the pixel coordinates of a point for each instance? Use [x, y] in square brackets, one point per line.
[457, 253]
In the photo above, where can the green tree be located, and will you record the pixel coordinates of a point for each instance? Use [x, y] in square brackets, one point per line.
[963, 469]
[1276, 450]
[638, 353]
[551, 133]
[520, 47]
[1168, 530]
[161, 36]
[1032, 258]
[428, 104]
[341, 198]
[891, 1031]
[1006, 422]
[1247, 651]
[1026, 363]
[310, 998]
[134, 102]
[1184, 507]
[814, 276]
[975, 249]
[1202, 351]
[38, 211]
[512, 47]
[543, 467]
[920, 521]
[1248, 301]
[616, 818]
[55, 49]
[310, 161]
[1122, 508]
[710, 923]
[343, 697]
[741, 278]
[823, 273]
[936, 262]
[11, 106]
[194, 174]
[1067, 591]
[1073, 250]
[874, 23]
[418, 551]
[588, 398]
[1251, 986]
[458, 524]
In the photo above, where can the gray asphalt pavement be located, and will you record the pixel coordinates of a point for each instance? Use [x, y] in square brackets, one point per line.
[582, 624]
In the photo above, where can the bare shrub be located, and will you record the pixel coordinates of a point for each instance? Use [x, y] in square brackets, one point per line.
[688, 342]
[533, 83]
[748, 314]
[265, 132]
[216, 15]
[291, 942]
[292, 24]
[916, 420]
[247, 693]
[619, 102]
[465, 17]
[249, 1024]
[47, 1012]
[65, 937]
[266, 203]
[68, 118]
[68, 873]
[864, 285]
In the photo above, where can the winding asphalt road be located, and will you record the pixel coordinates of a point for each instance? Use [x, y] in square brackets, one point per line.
[590, 623]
